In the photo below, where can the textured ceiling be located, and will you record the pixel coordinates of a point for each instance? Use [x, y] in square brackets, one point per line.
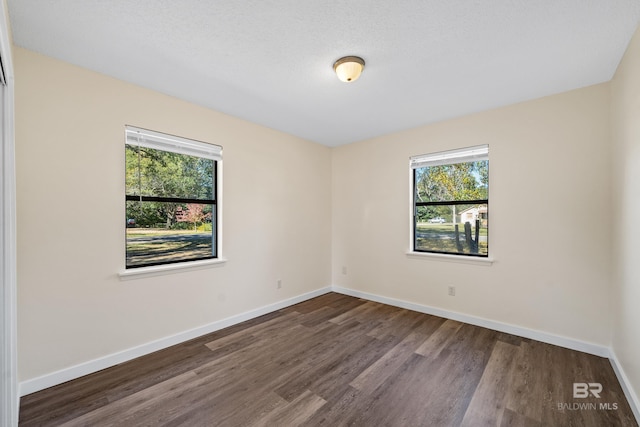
[270, 61]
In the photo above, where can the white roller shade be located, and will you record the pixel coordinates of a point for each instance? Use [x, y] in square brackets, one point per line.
[175, 144]
[463, 155]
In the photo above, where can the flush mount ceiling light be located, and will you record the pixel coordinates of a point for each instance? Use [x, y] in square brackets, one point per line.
[349, 68]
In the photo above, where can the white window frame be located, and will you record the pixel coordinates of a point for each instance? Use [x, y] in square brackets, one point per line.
[166, 142]
[462, 155]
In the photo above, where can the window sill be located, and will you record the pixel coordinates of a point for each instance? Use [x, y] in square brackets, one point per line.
[452, 258]
[158, 270]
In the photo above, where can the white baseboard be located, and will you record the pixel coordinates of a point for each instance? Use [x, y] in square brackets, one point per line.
[631, 396]
[89, 367]
[570, 343]
[77, 371]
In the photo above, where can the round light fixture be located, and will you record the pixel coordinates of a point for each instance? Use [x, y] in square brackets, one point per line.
[349, 68]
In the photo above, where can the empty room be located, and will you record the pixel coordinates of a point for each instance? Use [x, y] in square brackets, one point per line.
[320, 213]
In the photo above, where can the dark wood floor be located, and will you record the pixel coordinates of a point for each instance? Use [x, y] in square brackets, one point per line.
[337, 360]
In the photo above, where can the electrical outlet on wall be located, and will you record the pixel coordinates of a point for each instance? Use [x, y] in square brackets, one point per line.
[279, 284]
[344, 270]
[452, 291]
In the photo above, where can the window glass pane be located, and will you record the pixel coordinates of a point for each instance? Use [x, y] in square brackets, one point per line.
[151, 172]
[435, 229]
[162, 232]
[456, 182]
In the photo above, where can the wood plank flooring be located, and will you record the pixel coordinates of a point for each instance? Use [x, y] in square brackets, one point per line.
[341, 361]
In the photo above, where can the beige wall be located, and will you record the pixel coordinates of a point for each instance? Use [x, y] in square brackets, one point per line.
[548, 158]
[625, 117]
[70, 183]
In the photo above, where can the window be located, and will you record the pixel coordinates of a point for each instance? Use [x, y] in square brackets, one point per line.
[451, 202]
[171, 199]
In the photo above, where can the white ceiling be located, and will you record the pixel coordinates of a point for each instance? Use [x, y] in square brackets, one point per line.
[270, 61]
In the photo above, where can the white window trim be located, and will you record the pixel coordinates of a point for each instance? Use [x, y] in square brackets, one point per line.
[175, 144]
[215, 153]
[479, 152]
[450, 157]
[163, 269]
[464, 259]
